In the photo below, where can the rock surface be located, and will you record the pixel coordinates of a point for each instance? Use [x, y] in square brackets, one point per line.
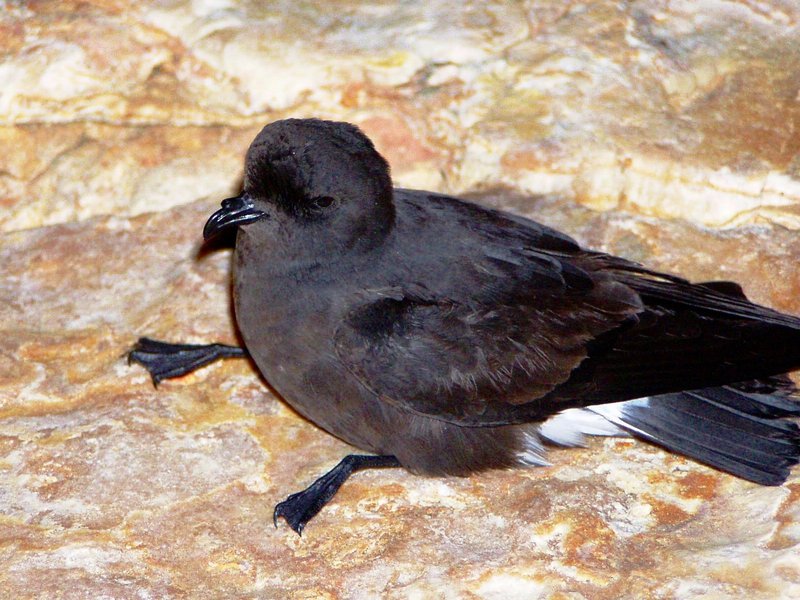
[110, 109]
[666, 108]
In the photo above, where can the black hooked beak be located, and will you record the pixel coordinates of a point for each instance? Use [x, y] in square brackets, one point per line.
[235, 212]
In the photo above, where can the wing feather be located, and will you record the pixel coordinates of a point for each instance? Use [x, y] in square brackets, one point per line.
[524, 323]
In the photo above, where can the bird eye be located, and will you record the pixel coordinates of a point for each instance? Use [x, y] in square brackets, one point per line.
[323, 202]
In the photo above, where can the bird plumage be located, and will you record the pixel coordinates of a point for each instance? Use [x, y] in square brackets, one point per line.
[445, 333]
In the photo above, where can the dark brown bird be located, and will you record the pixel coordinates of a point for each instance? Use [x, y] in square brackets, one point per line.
[449, 338]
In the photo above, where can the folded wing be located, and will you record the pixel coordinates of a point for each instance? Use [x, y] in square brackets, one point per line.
[545, 329]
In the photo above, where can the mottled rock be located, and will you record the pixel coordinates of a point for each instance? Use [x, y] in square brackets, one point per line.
[124, 490]
[670, 109]
[662, 131]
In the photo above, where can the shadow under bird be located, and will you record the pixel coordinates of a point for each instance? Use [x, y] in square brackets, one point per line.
[448, 338]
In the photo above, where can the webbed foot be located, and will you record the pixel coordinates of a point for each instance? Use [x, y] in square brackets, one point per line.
[166, 361]
[299, 508]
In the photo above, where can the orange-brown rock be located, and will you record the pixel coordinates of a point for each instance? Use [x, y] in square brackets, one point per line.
[663, 131]
[121, 489]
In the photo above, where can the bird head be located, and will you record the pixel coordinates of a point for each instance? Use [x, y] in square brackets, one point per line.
[317, 183]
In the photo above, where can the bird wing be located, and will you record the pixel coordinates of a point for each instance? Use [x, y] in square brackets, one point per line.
[530, 324]
[688, 336]
[483, 355]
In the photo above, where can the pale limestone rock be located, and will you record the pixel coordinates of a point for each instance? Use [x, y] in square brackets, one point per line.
[670, 109]
[109, 488]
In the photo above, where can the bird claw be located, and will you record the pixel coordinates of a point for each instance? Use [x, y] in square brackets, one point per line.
[297, 510]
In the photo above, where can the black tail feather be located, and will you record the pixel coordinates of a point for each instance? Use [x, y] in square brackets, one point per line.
[731, 428]
[773, 397]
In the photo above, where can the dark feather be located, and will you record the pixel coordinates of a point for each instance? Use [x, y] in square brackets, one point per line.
[526, 324]
[709, 426]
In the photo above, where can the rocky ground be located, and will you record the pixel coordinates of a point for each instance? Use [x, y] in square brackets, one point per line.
[665, 131]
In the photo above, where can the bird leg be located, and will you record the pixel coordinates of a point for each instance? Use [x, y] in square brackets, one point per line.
[298, 509]
[165, 361]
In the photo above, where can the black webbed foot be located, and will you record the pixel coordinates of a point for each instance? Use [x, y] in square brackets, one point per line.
[298, 509]
[165, 361]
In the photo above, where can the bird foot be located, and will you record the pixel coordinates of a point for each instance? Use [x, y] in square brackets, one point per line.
[166, 361]
[299, 508]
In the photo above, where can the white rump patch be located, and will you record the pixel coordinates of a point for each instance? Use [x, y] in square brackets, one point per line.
[615, 411]
[532, 453]
[569, 427]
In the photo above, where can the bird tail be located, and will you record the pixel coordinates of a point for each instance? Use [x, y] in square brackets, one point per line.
[740, 429]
